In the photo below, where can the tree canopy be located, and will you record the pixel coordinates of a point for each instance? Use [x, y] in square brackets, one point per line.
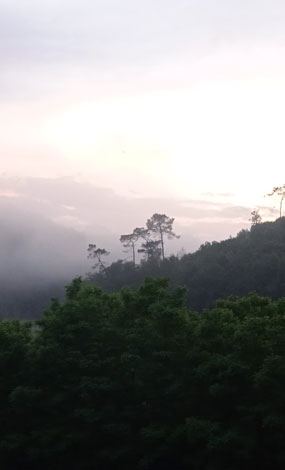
[161, 226]
[152, 237]
[254, 260]
[136, 380]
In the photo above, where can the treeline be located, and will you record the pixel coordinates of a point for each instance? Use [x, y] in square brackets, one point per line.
[254, 260]
[150, 239]
[135, 380]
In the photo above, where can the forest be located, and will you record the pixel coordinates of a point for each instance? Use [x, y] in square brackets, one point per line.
[170, 363]
[253, 261]
[135, 379]
[142, 242]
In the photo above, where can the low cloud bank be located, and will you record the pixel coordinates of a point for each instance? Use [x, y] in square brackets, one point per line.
[48, 223]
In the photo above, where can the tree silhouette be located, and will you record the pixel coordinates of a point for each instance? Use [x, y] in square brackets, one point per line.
[129, 241]
[151, 249]
[161, 225]
[97, 254]
[255, 217]
[279, 191]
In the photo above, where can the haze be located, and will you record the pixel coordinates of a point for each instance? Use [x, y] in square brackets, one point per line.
[111, 111]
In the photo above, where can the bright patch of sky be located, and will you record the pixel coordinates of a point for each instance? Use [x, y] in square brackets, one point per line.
[151, 99]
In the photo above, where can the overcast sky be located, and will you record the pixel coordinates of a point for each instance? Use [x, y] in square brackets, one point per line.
[112, 110]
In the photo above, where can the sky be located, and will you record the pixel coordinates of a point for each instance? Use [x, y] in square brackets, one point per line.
[111, 111]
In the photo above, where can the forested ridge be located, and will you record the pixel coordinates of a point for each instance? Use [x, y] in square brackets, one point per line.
[145, 373]
[136, 380]
[254, 260]
[142, 240]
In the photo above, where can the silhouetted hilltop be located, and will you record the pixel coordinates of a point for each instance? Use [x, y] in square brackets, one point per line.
[254, 260]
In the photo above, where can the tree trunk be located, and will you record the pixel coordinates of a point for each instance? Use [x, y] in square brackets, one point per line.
[134, 253]
[162, 244]
[101, 264]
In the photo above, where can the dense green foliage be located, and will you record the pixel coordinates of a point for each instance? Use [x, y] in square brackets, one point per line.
[252, 261]
[134, 380]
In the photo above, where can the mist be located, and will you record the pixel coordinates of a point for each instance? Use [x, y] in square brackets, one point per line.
[47, 224]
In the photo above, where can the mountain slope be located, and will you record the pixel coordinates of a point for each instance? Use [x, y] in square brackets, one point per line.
[252, 261]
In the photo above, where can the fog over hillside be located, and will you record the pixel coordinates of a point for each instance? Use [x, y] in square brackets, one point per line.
[46, 225]
[112, 111]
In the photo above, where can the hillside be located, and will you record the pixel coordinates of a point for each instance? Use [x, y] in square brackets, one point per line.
[254, 260]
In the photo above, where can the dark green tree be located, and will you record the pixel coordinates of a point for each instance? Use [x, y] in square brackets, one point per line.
[135, 380]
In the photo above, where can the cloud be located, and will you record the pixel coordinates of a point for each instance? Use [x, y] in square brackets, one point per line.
[34, 250]
[108, 30]
[95, 206]
[47, 227]
[60, 45]
[217, 195]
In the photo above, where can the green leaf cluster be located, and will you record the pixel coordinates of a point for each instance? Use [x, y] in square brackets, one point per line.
[135, 380]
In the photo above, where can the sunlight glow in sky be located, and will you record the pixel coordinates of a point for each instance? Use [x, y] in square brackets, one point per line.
[175, 100]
